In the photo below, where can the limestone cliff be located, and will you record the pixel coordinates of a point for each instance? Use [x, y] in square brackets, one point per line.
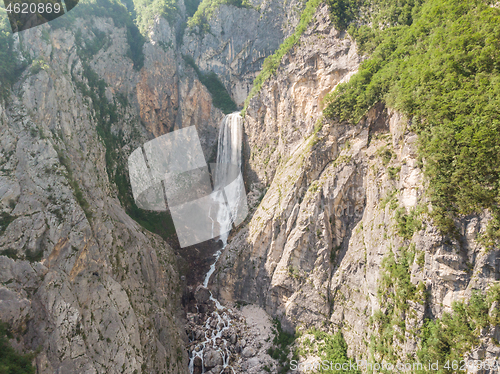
[92, 291]
[82, 283]
[240, 39]
[335, 199]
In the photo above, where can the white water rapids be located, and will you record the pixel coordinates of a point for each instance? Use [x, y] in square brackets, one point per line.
[225, 172]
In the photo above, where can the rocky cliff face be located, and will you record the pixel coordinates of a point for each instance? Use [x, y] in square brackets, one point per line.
[81, 282]
[240, 39]
[95, 292]
[337, 203]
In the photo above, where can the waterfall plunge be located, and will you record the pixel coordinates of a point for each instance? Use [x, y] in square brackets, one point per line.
[228, 180]
[230, 190]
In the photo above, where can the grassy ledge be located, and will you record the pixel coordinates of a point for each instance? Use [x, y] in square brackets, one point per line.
[445, 339]
[10, 360]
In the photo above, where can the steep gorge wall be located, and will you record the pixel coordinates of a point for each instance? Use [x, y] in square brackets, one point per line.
[335, 199]
[97, 292]
[81, 281]
[239, 39]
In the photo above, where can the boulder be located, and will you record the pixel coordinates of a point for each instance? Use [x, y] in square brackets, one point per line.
[216, 370]
[212, 358]
[197, 365]
[202, 295]
[248, 352]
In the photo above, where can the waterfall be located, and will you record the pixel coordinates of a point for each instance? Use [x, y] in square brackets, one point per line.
[230, 139]
[228, 182]
[230, 195]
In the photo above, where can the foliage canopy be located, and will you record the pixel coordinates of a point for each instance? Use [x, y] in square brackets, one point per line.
[438, 62]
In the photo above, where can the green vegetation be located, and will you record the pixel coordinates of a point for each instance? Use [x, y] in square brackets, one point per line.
[10, 253]
[447, 338]
[148, 9]
[160, 223]
[490, 237]
[92, 46]
[334, 350]
[437, 62]
[10, 67]
[34, 256]
[5, 220]
[121, 18]
[395, 290]
[457, 333]
[421, 259]
[220, 96]
[38, 65]
[386, 155]
[281, 347]
[389, 198]
[331, 348]
[272, 63]
[407, 224]
[206, 9]
[365, 20]
[12, 362]
[77, 192]
[343, 12]
[333, 254]
[105, 112]
[394, 172]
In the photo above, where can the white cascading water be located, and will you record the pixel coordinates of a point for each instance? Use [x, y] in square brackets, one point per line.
[227, 168]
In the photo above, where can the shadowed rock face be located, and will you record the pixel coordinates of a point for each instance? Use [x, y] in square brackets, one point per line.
[312, 251]
[240, 39]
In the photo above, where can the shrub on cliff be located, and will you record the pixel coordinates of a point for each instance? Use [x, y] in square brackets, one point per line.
[12, 362]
